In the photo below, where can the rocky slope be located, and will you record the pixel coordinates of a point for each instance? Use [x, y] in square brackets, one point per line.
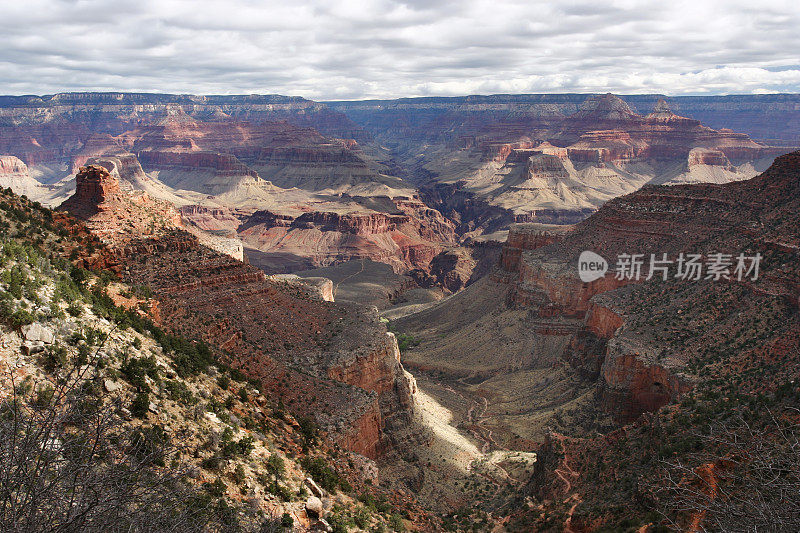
[14, 175]
[216, 448]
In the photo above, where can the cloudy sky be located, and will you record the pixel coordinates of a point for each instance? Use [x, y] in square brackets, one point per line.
[350, 49]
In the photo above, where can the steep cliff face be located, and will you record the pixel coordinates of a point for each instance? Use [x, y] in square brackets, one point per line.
[14, 174]
[523, 237]
[273, 328]
[407, 237]
[94, 185]
[636, 374]
[209, 173]
[114, 113]
[493, 147]
[775, 117]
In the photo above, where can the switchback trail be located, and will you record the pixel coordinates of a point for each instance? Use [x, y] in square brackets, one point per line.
[566, 473]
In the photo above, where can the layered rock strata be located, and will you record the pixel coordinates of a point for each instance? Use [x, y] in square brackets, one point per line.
[332, 362]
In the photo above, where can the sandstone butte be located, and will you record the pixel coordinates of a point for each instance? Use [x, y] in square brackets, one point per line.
[333, 362]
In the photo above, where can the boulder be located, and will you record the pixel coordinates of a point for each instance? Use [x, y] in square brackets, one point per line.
[32, 347]
[111, 386]
[313, 487]
[38, 332]
[314, 507]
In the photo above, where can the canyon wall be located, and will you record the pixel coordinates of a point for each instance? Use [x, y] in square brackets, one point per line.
[773, 117]
[14, 174]
[617, 344]
[551, 158]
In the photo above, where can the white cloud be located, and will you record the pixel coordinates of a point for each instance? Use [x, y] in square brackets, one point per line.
[386, 48]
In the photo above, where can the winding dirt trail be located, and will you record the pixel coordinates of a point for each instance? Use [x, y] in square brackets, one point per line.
[566, 474]
[476, 420]
[336, 287]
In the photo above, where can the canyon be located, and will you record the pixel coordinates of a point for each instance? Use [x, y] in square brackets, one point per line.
[544, 321]
[554, 357]
[315, 246]
[553, 158]
[297, 185]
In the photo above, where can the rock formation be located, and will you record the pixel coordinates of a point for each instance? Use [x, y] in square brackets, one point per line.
[334, 363]
[441, 171]
[114, 214]
[14, 174]
[407, 237]
[634, 345]
[492, 149]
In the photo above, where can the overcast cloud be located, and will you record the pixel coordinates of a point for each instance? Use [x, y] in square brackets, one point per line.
[350, 49]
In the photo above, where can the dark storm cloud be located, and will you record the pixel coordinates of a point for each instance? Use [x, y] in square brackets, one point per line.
[385, 48]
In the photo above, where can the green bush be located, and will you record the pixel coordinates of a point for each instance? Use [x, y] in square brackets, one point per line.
[140, 405]
[396, 523]
[74, 309]
[238, 474]
[327, 478]
[224, 382]
[54, 357]
[135, 370]
[217, 488]
[362, 517]
[21, 317]
[179, 392]
[241, 448]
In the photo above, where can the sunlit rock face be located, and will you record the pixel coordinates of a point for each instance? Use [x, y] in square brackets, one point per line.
[486, 157]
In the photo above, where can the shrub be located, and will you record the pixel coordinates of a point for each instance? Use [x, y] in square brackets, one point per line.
[21, 317]
[74, 309]
[396, 523]
[216, 488]
[140, 405]
[241, 448]
[179, 392]
[224, 382]
[308, 430]
[136, 368]
[54, 357]
[238, 474]
[362, 517]
[322, 473]
[276, 468]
